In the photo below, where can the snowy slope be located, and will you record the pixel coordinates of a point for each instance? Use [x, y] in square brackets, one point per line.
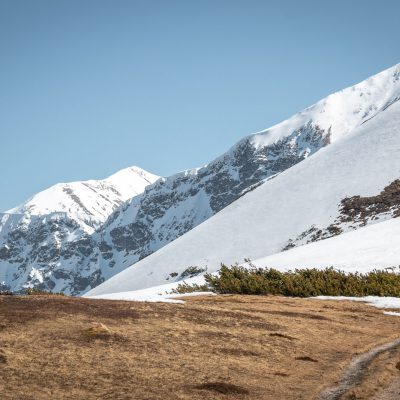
[162, 293]
[372, 247]
[342, 111]
[175, 205]
[89, 201]
[305, 198]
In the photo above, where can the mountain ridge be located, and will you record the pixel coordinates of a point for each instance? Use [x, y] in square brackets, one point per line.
[90, 201]
[363, 165]
[248, 163]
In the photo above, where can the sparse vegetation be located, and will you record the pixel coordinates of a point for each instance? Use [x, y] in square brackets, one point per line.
[334, 230]
[192, 271]
[186, 288]
[39, 292]
[358, 208]
[223, 387]
[354, 212]
[298, 283]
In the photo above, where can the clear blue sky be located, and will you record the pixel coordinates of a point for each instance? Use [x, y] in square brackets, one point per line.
[90, 87]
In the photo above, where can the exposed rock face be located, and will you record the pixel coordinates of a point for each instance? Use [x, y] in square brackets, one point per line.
[360, 209]
[42, 252]
[174, 205]
[355, 212]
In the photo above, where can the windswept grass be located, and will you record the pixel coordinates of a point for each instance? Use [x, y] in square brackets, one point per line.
[39, 292]
[98, 330]
[214, 347]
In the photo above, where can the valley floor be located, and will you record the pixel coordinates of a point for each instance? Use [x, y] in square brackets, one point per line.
[222, 347]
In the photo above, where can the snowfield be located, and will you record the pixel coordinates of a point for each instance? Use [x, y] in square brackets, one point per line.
[343, 111]
[374, 247]
[375, 301]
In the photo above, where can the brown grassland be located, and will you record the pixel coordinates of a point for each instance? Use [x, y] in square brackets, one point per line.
[222, 347]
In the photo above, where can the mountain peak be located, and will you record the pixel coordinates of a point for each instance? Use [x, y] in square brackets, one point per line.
[342, 111]
[126, 175]
[91, 201]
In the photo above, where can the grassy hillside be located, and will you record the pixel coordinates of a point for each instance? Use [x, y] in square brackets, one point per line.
[219, 347]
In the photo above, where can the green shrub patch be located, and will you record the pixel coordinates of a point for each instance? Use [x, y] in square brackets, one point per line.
[299, 282]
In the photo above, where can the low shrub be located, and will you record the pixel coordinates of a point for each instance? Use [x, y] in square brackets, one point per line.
[299, 283]
[186, 288]
[39, 292]
[190, 272]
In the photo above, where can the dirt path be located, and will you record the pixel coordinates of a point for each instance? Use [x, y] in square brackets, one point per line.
[356, 372]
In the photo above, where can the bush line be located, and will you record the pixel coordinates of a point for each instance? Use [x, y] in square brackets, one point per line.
[298, 283]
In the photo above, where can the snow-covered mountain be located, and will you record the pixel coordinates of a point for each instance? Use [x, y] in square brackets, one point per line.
[179, 205]
[90, 202]
[347, 185]
[42, 240]
[175, 205]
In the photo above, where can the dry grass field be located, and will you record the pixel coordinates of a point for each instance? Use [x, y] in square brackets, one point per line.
[223, 347]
